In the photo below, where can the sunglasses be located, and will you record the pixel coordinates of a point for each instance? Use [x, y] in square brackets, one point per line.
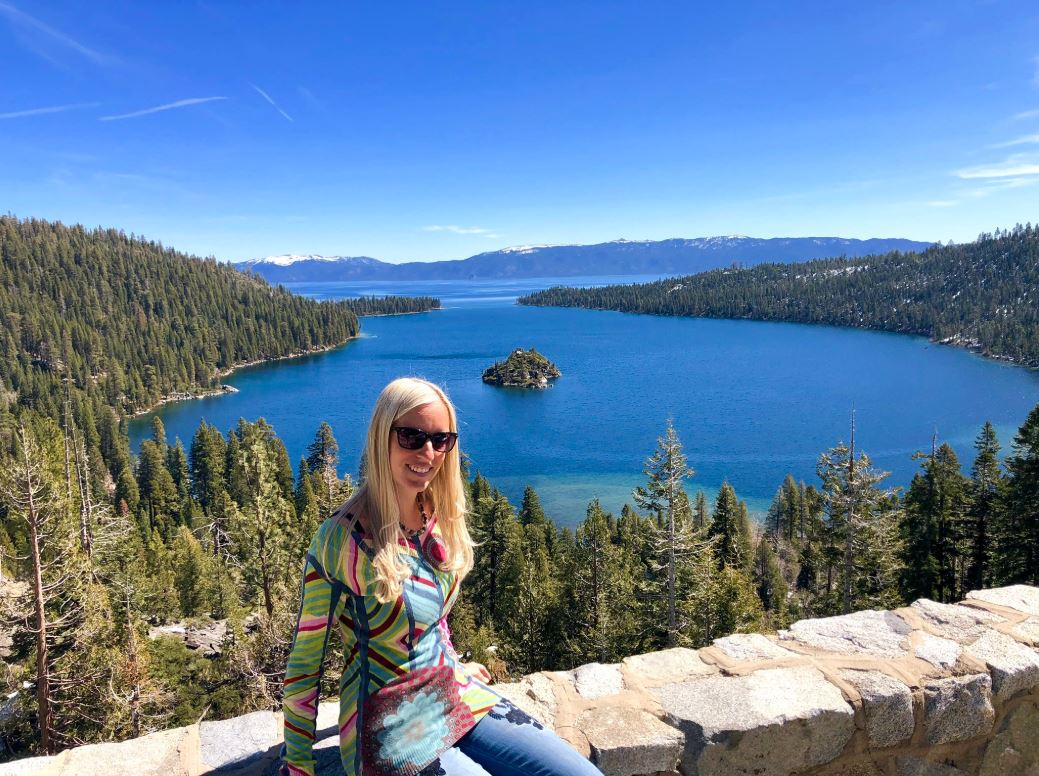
[415, 438]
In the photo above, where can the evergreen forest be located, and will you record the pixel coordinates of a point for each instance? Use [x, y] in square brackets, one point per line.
[981, 295]
[126, 322]
[141, 592]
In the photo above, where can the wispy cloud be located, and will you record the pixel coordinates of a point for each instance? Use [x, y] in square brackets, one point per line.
[271, 101]
[26, 22]
[996, 185]
[1027, 114]
[160, 108]
[18, 114]
[1026, 140]
[1013, 167]
[459, 229]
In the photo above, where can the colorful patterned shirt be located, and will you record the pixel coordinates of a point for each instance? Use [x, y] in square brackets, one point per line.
[382, 642]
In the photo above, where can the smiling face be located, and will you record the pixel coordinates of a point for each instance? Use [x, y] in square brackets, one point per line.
[413, 470]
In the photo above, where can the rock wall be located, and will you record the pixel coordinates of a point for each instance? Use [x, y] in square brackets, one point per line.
[928, 690]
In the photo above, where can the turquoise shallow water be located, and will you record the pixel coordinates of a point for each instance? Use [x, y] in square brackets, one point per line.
[751, 401]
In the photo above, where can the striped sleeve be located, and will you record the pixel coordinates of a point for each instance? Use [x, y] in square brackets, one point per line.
[445, 635]
[303, 673]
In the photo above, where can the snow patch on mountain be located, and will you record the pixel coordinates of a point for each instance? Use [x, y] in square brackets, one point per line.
[290, 259]
[524, 248]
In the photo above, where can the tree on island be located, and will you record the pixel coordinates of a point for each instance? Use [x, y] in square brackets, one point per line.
[522, 369]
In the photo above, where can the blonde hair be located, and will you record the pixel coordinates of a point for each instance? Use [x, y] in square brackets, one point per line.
[377, 499]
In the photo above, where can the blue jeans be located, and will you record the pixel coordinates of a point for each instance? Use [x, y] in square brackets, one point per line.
[508, 742]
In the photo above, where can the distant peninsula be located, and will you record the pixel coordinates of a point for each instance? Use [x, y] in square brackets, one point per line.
[980, 295]
[522, 369]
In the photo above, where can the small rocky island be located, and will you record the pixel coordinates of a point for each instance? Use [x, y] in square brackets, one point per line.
[522, 369]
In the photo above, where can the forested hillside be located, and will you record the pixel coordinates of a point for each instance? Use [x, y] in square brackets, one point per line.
[130, 321]
[391, 305]
[982, 295]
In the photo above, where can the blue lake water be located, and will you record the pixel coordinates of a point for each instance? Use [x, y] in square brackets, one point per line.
[751, 401]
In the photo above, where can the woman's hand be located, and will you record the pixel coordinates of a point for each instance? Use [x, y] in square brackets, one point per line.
[477, 671]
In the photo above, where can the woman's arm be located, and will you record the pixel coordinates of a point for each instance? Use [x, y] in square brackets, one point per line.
[303, 672]
[475, 670]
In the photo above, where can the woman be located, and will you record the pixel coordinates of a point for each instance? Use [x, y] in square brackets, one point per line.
[386, 567]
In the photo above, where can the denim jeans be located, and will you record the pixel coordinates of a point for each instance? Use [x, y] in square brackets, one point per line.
[508, 742]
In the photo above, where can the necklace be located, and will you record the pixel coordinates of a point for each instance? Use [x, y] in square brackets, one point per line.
[415, 532]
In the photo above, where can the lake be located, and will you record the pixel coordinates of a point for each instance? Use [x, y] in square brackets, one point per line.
[751, 401]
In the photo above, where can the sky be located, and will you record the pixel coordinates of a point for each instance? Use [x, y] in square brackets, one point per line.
[424, 131]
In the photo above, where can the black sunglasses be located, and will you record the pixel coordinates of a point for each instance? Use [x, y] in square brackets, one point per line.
[415, 438]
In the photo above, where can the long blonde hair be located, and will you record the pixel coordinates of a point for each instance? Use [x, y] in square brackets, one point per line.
[377, 499]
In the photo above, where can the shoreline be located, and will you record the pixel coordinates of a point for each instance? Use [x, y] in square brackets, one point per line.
[224, 390]
[954, 341]
[389, 315]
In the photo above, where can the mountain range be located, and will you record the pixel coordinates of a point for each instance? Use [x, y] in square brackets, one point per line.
[619, 257]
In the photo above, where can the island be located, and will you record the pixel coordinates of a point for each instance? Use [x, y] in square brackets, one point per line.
[522, 369]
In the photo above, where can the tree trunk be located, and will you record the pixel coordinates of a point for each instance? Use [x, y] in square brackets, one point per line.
[849, 529]
[43, 701]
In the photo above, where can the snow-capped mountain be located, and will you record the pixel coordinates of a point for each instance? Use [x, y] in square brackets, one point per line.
[678, 256]
[284, 261]
[297, 267]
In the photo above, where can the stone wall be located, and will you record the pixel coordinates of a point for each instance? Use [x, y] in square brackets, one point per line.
[928, 690]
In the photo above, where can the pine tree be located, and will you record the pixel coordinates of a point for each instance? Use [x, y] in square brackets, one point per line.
[934, 529]
[138, 703]
[479, 489]
[1016, 534]
[862, 545]
[531, 512]
[674, 542]
[307, 508]
[730, 529]
[531, 628]
[194, 573]
[208, 464]
[497, 530]
[600, 616]
[70, 619]
[259, 528]
[321, 462]
[785, 512]
[159, 434]
[771, 586]
[736, 607]
[30, 497]
[701, 517]
[986, 484]
[157, 489]
[323, 452]
[127, 493]
[177, 464]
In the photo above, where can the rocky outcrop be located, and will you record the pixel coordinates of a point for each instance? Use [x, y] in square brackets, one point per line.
[522, 369]
[206, 638]
[928, 690]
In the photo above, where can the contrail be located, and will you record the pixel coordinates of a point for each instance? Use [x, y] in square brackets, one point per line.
[159, 108]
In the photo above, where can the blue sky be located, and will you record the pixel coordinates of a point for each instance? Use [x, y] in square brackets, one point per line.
[420, 131]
